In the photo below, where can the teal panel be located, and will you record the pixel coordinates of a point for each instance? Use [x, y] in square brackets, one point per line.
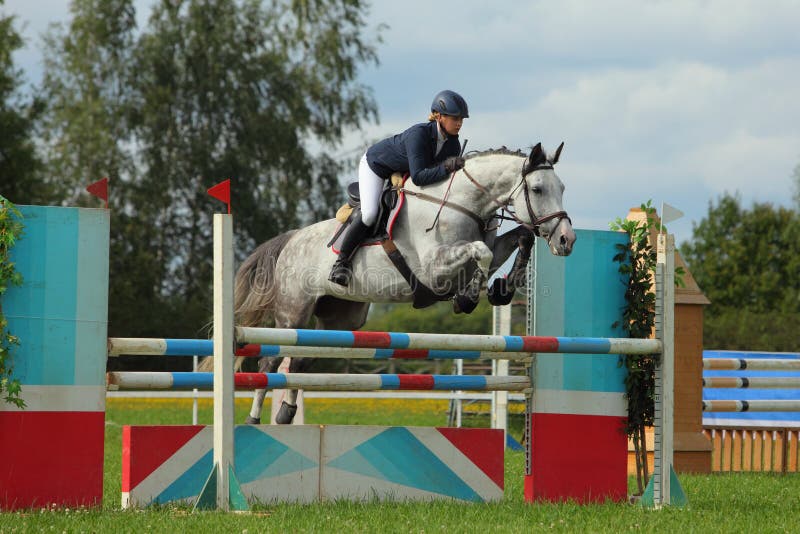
[42, 311]
[91, 326]
[61, 308]
[259, 456]
[416, 466]
[588, 291]
[549, 312]
[190, 482]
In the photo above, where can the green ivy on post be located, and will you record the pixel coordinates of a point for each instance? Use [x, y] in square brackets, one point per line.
[10, 231]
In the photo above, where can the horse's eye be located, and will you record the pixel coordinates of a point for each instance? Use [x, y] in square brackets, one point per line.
[536, 189]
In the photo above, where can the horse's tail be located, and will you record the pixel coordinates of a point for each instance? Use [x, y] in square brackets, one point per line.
[255, 289]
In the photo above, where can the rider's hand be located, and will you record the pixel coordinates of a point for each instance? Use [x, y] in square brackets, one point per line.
[453, 163]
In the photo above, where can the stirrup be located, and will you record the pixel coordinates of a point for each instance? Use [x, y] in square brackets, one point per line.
[341, 273]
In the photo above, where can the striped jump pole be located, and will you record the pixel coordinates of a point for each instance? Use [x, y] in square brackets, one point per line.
[751, 405]
[445, 342]
[742, 364]
[751, 382]
[317, 381]
[204, 347]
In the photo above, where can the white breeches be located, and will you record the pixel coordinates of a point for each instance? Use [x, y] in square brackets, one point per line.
[370, 186]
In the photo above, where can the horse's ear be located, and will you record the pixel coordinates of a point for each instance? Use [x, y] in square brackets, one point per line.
[558, 153]
[536, 156]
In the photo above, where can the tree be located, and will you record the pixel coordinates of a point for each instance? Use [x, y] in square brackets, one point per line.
[87, 135]
[747, 263]
[20, 180]
[86, 72]
[211, 89]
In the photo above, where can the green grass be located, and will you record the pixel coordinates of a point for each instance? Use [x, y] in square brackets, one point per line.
[718, 503]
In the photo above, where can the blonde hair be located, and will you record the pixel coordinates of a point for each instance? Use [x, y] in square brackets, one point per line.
[433, 116]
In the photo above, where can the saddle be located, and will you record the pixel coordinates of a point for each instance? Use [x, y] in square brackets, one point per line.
[392, 200]
[390, 203]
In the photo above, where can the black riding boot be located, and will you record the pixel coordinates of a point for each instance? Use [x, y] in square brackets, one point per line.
[342, 269]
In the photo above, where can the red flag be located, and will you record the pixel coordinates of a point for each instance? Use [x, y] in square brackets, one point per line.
[222, 191]
[99, 189]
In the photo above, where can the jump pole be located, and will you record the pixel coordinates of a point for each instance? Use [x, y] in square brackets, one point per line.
[118, 346]
[132, 380]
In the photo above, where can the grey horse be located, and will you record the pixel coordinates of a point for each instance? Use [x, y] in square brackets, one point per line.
[284, 282]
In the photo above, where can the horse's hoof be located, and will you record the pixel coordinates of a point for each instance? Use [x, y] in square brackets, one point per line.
[498, 293]
[252, 420]
[464, 304]
[285, 413]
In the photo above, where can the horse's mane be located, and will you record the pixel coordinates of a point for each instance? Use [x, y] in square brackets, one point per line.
[490, 151]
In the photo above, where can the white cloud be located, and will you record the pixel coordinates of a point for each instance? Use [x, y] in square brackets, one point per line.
[749, 164]
[611, 29]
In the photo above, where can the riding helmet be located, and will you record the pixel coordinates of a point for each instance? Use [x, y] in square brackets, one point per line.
[450, 103]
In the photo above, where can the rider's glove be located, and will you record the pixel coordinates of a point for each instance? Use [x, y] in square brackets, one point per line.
[453, 163]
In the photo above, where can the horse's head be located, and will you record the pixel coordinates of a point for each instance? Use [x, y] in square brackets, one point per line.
[538, 201]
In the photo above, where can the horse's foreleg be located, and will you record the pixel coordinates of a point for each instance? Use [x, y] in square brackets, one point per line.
[466, 265]
[502, 289]
[447, 263]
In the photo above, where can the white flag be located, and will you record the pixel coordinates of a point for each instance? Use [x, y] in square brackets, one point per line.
[669, 214]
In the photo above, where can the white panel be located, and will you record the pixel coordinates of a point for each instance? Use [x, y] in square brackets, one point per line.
[60, 399]
[561, 401]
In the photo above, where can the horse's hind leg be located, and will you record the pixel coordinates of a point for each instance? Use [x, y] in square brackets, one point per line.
[332, 314]
[336, 314]
[287, 317]
[288, 408]
[266, 364]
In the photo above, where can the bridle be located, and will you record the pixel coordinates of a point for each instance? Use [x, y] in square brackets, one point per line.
[536, 222]
[503, 205]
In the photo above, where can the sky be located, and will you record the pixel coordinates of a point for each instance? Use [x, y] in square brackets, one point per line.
[671, 100]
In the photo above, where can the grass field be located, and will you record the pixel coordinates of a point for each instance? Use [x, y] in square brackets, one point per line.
[718, 503]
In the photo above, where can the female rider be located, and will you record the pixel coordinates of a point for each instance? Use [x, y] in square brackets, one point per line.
[429, 152]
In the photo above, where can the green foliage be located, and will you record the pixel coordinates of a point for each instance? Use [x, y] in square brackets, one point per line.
[10, 231]
[747, 263]
[637, 263]
[741, 329]
[19, 164]
[438, 318]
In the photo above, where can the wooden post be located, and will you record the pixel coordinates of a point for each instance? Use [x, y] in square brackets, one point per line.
[222, 490]
[223, 354]
[664, 488]
[502, 327]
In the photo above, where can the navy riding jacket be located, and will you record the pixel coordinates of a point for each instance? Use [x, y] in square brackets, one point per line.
[413, 151]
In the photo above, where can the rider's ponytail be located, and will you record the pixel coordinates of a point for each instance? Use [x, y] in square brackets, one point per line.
[433, 116]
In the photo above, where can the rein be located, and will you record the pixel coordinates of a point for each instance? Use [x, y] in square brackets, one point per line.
[533, 226]
[450, 204]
